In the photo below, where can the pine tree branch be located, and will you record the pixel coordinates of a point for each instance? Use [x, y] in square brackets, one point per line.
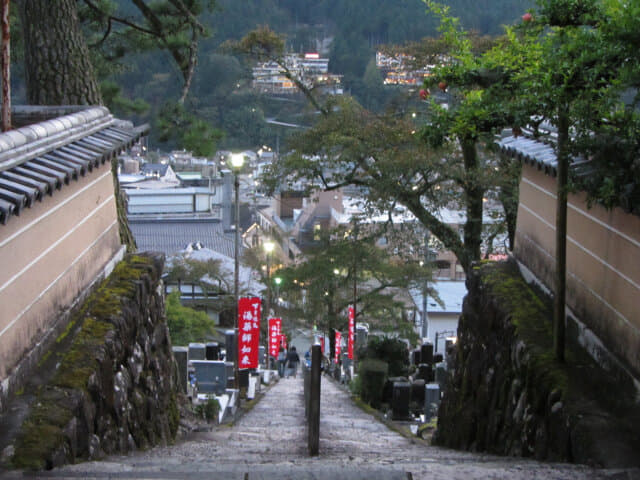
[111, 18]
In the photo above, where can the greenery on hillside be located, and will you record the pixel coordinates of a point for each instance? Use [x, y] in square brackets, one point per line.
[220, 94]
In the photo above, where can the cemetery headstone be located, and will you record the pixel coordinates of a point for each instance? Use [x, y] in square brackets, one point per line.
[415, 357]
[425, 372]
[400, 400]
[211, 376]
[181, 355]
[417, 391]
[426, 353]
[197, 351]
[230, 378]
[441, 374]
[212, 351]
[230, 345]
[431, 400]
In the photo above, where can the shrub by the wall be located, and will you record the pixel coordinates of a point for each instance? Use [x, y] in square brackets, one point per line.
[372, 374]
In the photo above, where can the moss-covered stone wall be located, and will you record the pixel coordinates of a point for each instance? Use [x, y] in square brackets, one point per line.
[114, 389]
[507, 394]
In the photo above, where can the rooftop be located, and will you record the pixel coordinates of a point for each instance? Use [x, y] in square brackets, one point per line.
[40, 158]
[172, 235]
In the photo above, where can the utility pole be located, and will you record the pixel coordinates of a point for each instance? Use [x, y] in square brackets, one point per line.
[236, 163]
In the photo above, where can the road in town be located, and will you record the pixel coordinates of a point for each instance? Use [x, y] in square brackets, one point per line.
[269, 442]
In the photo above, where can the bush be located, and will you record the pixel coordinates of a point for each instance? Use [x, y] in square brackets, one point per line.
[186, 325]
[209, 410]
[372, 375]
[390, 350]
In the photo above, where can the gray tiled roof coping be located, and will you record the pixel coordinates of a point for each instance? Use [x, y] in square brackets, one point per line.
[533, 152]
[23, 144]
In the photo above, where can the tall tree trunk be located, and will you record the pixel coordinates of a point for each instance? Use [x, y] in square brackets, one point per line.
[58, 69]
[474, 193]
[561, 236]
[508, 194]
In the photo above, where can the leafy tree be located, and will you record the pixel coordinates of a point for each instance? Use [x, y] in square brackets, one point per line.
[374, 87]
[447, 163]
[347, 268]
[186, 325]
[59, 69]
[576, 65]
[391, 350]
[263, 44]
[176, 123]
[114, 28]
[206, 274]
[70, 46]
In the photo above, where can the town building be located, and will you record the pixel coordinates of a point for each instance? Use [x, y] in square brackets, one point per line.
[310, 69]
[437, 318]
[400, 69]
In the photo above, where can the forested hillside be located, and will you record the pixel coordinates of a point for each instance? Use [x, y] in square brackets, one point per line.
[348, 31]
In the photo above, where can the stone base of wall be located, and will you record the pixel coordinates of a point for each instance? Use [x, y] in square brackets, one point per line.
[114, 388]
[29, 363]
[507, 394]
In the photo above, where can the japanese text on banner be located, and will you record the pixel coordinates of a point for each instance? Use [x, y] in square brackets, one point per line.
[248, 332]
[352, 333]
[275, 331]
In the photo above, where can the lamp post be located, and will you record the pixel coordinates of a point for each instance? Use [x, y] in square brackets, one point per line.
[277, 281]
[237, 160]
[268, 246]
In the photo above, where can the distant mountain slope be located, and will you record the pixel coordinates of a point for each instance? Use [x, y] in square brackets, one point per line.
[347, 31]
[380, 21]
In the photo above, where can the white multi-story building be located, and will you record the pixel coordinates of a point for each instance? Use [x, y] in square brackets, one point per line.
[310, 69]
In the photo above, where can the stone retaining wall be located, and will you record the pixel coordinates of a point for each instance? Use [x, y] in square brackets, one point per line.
[114, 390]
[508, 395]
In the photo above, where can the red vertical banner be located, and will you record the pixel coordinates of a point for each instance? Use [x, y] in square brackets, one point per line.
[338, 346]
[352, 333]
[275, 330]
[322, 344]
[248, 332]
[283, 341]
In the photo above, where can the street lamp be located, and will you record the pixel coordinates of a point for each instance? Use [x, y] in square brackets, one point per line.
[237, 160]
[277, 281]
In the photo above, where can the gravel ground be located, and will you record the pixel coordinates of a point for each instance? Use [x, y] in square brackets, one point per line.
[269, 442]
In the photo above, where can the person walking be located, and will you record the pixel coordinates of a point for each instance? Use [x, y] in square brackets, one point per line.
[292, 362]
[282, 359]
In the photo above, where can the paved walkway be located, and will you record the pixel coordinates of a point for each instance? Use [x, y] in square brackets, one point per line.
[269, 442]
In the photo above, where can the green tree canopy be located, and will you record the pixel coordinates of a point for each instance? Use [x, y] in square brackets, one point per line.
[187, 325]
[347, 267]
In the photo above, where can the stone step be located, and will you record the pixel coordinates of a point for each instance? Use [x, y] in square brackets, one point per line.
[252, 473]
